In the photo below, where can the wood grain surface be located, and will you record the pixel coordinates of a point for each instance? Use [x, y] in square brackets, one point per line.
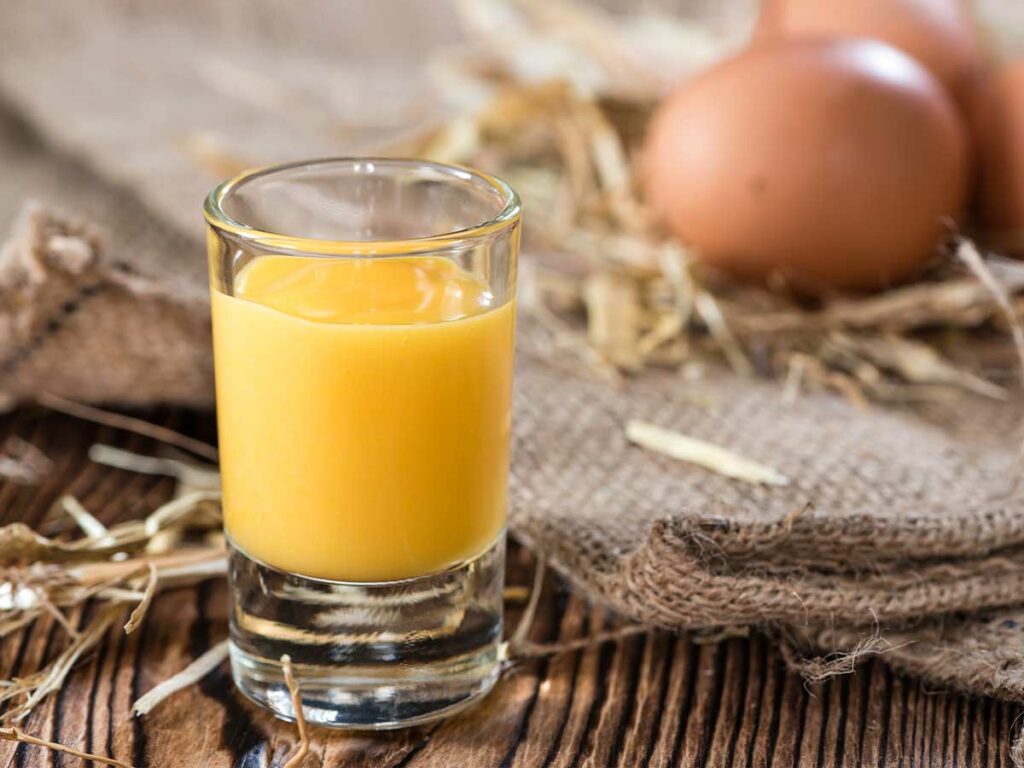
[651, 700]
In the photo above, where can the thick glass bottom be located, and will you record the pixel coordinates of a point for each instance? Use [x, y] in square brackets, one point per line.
[368, 656]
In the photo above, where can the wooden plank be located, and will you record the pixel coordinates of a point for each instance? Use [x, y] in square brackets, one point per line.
[654, 700]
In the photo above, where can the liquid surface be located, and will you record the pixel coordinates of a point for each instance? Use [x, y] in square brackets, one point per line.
[365, 291]
[364, 414]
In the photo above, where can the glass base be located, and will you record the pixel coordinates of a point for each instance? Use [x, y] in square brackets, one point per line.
[368, 656]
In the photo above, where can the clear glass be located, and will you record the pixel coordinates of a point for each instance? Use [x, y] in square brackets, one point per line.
[363, 326]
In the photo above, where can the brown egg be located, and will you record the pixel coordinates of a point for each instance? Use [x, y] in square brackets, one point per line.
[831, 163]
[938, 33]
[998, 122]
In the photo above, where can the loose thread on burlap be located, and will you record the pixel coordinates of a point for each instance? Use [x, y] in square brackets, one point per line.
[817, 669]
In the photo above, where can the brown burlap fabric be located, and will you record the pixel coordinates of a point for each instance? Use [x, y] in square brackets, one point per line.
[886, 519]
[898, 534]
[893, 529]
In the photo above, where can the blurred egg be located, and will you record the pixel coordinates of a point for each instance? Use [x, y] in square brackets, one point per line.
[998, 121]
[833, 164]
[939, 33]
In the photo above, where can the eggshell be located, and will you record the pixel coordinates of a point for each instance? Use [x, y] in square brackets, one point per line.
[998, 120]
[939, 33]
[833, 163]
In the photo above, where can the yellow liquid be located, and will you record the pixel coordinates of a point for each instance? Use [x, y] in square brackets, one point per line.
[364, 414]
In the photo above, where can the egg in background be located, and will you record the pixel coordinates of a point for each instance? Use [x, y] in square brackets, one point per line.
[831, 163]
[941, 34]
[998, 125]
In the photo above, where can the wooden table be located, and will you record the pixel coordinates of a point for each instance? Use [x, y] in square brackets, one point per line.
[652, 700]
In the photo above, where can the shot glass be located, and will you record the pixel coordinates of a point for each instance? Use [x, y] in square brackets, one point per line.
[363, 328]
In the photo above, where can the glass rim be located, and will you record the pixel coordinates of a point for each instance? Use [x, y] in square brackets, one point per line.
[508, 216]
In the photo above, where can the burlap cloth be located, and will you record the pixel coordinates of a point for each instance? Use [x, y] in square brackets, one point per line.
[899, 534]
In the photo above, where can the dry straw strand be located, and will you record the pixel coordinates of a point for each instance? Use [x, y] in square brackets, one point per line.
[189, 475]
[296, 760]
[522, 630]
[19, 736]
[84, 519]
[708, 455]
[128, 424]
[968, 252]
[520, 647]
[202, 666]
[139, 612]
[22, 462]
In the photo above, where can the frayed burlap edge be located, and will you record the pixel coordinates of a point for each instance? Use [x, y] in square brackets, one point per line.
[89, 329]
